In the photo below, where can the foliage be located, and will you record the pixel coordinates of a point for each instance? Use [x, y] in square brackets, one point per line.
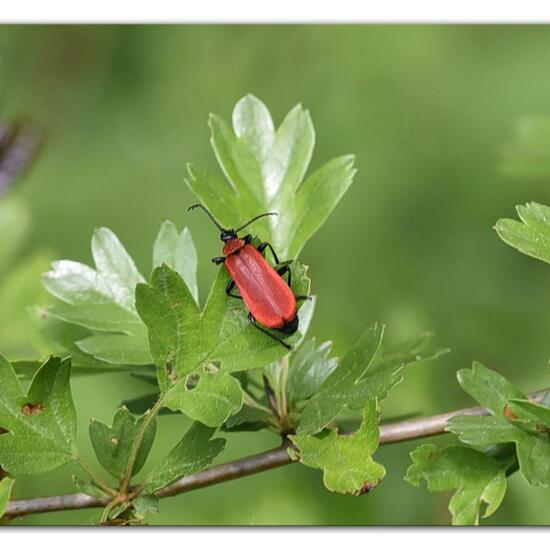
[475, 477]
[6, 486]
[346, 460]
[207, 362]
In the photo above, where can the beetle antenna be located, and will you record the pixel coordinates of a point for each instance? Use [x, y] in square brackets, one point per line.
[256, 218]
[208, 213]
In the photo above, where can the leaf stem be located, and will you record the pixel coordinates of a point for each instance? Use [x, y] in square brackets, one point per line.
[151, 415]
[96, 478]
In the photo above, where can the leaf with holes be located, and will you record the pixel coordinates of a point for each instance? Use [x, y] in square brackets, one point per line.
[41, 425]
[206, 346]
[113, 445]
[265, 170]
[475, 477]
[346, 460]
[195, 451]
[495, 393]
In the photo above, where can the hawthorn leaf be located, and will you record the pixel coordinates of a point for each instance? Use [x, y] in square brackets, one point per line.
[531, 235]
[529, 410]
[145, 504]
[102, 300]
[195, 451]
[366, 372]
[182, 337]
[265, 169]
[310, 365]
[493, 391]
[476, 478]
[247, 419]
[88, 487]
[177, 250]
[209, 397]
[113, 445]
[346, 460]
[41, 425]
[6, 486]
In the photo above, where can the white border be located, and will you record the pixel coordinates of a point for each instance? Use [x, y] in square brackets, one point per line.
[279, 11]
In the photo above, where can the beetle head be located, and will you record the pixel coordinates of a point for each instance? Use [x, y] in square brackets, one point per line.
[228, 235]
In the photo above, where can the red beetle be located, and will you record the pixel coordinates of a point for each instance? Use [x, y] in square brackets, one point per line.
[269, 299]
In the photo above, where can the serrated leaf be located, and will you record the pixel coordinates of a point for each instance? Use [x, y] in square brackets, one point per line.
[493, 391]
[366, 372]
[6, 486]
[346, 460]
[113, 445]
[177, 250]
[209, 397]
[531, 235]
[475, 477]
[310, 366]
[193, 453]
[41, 426]
[102, 300]
[265, 171]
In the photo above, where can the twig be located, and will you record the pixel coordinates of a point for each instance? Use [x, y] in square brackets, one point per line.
[389, 433]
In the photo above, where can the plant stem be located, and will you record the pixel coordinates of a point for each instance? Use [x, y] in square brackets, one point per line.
[389, 433]
[151, 415]
[94, 476]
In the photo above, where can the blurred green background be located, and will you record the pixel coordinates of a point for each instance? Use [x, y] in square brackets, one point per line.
[426, 109]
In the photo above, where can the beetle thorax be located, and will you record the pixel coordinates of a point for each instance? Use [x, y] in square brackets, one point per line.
[233, 246]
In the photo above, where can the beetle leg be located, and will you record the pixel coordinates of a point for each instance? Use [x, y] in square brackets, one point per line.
[262, 329]
[285, 269]
[247, 239]
[218, 260]
[265, 245]
[303, 297]
[230, 286]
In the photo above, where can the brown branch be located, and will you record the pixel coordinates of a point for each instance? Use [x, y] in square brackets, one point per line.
[389, 433]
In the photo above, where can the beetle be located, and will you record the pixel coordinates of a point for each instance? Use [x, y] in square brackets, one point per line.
[269, 299]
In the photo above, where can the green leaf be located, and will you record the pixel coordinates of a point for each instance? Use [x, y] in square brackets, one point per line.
[247, 419]
[528, 411]
[145, 504]
[88, 487]
[364, 373]
[41, 426]
[265, 171]
[346, 460]
[209, 397]
[6, 486]
[113, 445]
[531, 235]
[102, 300]
[310, 366]
[475, 477]
[493, 391]
[186, 341]
[192, 454]
[177, 250]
